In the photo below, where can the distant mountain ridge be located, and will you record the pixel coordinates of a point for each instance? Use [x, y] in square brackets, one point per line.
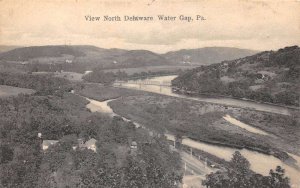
[26, 53]
[93, 54]
[84, 54]
[5, 48]
[207, 55]
[270, 76]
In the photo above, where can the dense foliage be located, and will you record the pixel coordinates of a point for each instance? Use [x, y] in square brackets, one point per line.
[106, 78]
[239, 175]
[268, 77]
[43, 84]
[65, 118]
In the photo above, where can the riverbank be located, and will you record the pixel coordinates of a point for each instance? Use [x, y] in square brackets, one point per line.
[204, 122]
[230, 102]
[214, 95]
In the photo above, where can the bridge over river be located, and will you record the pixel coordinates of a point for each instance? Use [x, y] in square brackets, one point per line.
[145, 82]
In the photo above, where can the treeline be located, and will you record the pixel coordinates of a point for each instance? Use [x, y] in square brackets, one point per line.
[43, 84]
[55, 67]
[106, 78]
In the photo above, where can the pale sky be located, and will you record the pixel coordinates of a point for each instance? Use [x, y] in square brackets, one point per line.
[258, 25]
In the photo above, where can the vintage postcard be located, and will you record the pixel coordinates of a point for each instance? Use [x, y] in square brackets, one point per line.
[149, 93]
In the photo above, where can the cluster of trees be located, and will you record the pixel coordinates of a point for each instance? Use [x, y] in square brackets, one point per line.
[43, 84]
[238, 174]
[106, 78]
[35, 66]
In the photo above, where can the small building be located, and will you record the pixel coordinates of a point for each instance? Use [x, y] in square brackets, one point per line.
[47, 143]
[80, 143]
[133, 145]
[40, 135]
[69, 61]
[133, 148]
[91, 144]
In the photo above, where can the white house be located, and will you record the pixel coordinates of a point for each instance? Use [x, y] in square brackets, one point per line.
[69, 61]
[91, 144]
[47, 143]
[133, 145]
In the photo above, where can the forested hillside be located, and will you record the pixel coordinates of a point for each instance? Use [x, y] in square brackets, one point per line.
[5, 48]
[79, 58]
[208, 55]
[53, 113]
[271, 76]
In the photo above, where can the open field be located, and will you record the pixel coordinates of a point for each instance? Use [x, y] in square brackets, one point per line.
[6, 91]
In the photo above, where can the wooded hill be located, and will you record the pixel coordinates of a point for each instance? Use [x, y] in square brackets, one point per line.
[270, 76]
[79, 58]
[207, 55]
[89, 55]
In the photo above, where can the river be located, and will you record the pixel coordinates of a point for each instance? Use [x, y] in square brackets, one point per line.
[260, 163]
[167, 90]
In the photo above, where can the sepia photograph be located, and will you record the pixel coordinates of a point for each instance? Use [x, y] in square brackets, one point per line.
[149, 94]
